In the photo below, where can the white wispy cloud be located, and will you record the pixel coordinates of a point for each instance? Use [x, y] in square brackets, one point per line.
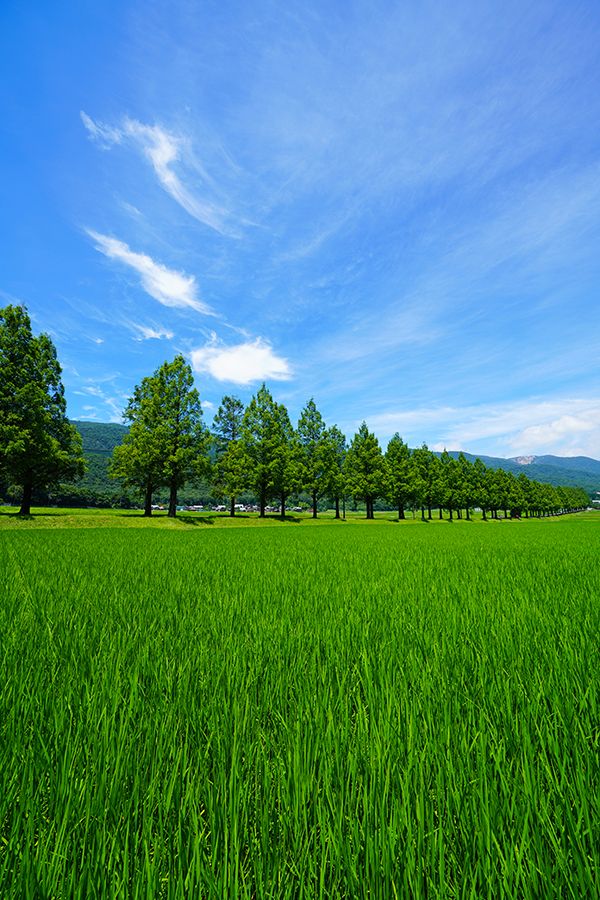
[565, 426]
[168, 286]
[164, 150]
[150, 332]
[113, 404]
[243, 363]
[104, 134]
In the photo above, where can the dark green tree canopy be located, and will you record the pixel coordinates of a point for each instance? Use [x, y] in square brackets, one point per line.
[227, 423]
[364, 468]
[38, 444]
[315, 460]
[265, 436]
[167, 443]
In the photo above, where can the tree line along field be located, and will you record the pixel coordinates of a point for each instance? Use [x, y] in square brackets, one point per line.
[253, 449]
[349, 710]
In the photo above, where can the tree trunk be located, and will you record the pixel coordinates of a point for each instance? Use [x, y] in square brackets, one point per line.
[468, 514]
[232, 506]
[429, 512]
[148, 499]
[314, 500]
[262, 503]
[459, 513]
[440, 513]
[337, 507]
[26, 500]
[450, 513]
[172, 500]
[423, 513]
[483, 515]
[283, 506]
[401, 514]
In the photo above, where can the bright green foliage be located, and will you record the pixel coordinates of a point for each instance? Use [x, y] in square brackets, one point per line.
[287, 457]
[300, 711]
[230, 472]
[227, 423]
[398, 487]
[424, 475]
[181, 432]
[167, 442]
[317, 458]
[268, 445]
[449, 483]
[38, 445]
[364, 468]
[334, 456]
[138, 461]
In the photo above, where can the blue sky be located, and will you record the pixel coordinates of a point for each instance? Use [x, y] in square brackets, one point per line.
[392, 207]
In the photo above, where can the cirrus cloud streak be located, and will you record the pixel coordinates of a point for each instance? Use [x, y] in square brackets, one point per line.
[168, 286]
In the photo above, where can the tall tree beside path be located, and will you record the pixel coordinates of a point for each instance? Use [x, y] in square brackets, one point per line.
[270, 445]
[227, 423]
[397, 474]
[138, 460]
[168, 443]
[423, 477]
[231, 464]
[312, 437]
[364, 468]
[181, 432]
[335, 454]
[38, 445]
[286, 464]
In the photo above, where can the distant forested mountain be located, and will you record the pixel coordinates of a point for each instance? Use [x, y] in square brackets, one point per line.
[101, 437]
[560, 471]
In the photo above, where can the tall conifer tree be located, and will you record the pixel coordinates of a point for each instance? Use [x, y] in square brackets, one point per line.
[38, 444]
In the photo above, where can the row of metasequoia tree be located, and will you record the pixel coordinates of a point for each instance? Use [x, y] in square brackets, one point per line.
[257, 449]
[253, 449]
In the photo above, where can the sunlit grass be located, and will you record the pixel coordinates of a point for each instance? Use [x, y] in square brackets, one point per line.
[338, 711]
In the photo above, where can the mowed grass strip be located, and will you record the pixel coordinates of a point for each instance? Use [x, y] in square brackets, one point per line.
[301, 712]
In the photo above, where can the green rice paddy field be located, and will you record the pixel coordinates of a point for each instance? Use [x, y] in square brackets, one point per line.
[349, 710]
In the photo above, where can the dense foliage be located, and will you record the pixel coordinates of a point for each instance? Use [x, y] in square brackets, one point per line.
[257, 450]
[254, 454]
[38, 445]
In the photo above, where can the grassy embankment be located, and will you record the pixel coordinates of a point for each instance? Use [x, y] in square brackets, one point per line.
[337, 711]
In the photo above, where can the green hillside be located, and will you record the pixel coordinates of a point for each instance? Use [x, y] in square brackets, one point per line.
[579, 471]
[99, 441]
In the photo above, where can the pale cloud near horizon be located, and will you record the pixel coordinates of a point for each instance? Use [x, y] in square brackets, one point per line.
[244, 363]
[168, 286]
[565, 426]
[163, 150]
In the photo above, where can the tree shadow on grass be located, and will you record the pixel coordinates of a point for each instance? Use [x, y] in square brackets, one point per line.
[32, 516]
[293, 520]
[193, 520]
[185, 520]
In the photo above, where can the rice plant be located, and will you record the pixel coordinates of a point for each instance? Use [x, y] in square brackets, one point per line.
[301, 712]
